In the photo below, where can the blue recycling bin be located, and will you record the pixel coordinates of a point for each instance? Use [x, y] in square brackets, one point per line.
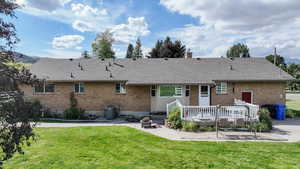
[280, 111]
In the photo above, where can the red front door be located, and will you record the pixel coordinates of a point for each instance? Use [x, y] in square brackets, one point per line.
[247, 97]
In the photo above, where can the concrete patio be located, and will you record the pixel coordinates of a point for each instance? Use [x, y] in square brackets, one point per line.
[284, 131]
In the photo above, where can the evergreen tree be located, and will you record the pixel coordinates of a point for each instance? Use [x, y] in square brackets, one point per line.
[138, 53]
[85, 55]
[238, 50]
[102, 46]
[129, 53]
[156, 51]
[168, 49]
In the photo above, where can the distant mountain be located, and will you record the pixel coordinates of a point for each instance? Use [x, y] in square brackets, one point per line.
[292, 60]
[19, 57]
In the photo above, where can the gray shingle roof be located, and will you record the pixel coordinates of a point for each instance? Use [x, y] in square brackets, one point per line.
[159, 71]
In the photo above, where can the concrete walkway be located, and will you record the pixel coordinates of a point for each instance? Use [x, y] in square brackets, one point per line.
[284, 131]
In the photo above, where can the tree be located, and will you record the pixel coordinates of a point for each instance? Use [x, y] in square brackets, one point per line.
[129, 53]
[294, 70]
[168, 49]
[280, 62]
[102, 46]
[15, 113]
[85, 55]
[155, 52]
[137, 52]
[238, 50]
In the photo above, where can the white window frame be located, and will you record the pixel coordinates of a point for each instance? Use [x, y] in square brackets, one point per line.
[223, 88]
[122, 88]
[80, 85]
[178, 91]
[44, 89]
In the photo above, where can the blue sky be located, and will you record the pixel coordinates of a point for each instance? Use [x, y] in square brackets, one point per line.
[64, 28]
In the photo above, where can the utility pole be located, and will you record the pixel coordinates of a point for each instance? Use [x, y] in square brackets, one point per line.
[275, 56]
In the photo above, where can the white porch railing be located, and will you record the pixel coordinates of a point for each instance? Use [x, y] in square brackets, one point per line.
[253, 109]
[174, 104]
[241, 110]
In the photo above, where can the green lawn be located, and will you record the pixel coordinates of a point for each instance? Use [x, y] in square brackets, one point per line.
[123, 147]
[294, 104]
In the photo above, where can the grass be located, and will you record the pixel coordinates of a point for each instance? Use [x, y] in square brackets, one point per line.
[294, 104]
[123, 147]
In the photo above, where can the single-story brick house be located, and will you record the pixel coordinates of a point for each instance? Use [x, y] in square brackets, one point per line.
[147, 85]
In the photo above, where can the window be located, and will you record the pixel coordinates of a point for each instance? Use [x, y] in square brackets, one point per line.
[187, 91]
[39, 88]
[153, 91]
[49, 88]
[170, 90]
[204, 91]
[120, 88]
[221, 88]
[44, 88]
[79, 88]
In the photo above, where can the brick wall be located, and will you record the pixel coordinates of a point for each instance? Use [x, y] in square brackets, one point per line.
[95, 97]
[263, 93]
[137, 98]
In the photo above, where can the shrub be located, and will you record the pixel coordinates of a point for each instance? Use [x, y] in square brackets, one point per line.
[290, 113]
[259, 127]
[34, 108]
[264, 117]
[207, 128]
[74, 113]
[191, 126]
[174, 119]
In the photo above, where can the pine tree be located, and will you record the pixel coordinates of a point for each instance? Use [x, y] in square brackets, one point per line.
[138, 53]
[156, 51]
[129, 53]
[168, 49]
[85, 55]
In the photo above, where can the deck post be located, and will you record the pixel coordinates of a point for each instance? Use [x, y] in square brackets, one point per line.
[217, 118]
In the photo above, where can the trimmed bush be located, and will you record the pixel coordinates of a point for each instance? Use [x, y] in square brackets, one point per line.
[289, 113]
[174, 119]
[264, 117]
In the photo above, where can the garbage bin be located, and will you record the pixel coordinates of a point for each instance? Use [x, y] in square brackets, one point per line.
[271, 108]
[280, 111]
[111, 112]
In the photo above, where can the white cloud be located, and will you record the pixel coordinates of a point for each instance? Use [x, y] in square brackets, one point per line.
[78, 47]
[87, 11]
[238, 15]
[48, 5]
[261, 24]
[59, 53]
[67, 41]
[82, 17]
[136, 27]
[82, 26]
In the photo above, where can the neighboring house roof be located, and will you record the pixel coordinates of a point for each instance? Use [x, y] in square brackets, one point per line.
[159, 71]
